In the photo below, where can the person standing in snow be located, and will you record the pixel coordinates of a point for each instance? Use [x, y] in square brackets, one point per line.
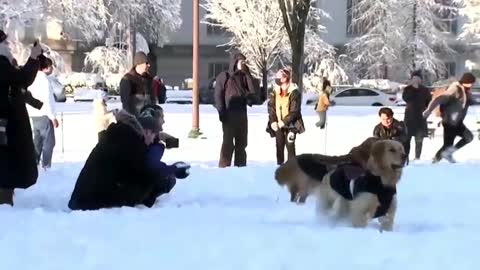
[136, 87]
[417, 98]
[125, 167]
[284, 115]
[44, 120]
[454, 104]
[234, 90]
[18, 167]
[323, 103]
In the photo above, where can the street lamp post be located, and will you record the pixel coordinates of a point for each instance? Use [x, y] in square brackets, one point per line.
[195, 132]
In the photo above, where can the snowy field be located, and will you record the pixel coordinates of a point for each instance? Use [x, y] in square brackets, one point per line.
[239, 218]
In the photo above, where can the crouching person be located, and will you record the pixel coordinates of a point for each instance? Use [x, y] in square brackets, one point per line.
[124, 168]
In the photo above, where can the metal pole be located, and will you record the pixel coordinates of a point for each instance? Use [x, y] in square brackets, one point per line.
[63, 137]
[195, 132]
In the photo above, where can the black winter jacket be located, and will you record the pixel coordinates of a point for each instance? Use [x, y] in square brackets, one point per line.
[136, 91]
[116, 172]
[235, 89]
[397, 131]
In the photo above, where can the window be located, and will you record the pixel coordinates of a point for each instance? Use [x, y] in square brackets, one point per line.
[348, 93]
[367, 92]
[353, 29]
[450, 69]
[215, 68]
[447, 17]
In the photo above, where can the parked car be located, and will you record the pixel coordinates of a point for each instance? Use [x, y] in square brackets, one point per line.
[58, 89]
[363, 97]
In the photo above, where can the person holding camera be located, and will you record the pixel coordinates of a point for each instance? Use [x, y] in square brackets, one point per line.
[18, 167]
[284, 115]
[125, 167]
[234, 90]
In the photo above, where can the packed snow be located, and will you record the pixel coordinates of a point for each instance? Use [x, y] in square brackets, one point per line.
[239, 218]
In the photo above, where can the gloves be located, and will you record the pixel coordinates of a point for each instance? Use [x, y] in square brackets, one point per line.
[222, 117]
[291, 137]
[281, 124]
[274, 126]
[182, 169]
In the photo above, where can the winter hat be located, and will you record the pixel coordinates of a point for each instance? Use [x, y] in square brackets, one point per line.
[148, 119]
[3, 36]
[140, 58]
[417, 73]
[467, 78]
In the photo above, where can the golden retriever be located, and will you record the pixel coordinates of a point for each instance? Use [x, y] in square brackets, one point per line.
[305, 171]
[371, 195]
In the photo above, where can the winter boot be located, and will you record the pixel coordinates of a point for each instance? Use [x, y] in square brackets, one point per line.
[6, 196]
[447, 154]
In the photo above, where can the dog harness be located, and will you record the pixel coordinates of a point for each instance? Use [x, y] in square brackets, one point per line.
[349, 185]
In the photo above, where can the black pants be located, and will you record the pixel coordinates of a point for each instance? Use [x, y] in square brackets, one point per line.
[450, 132]
[282, 141]
[235, 137]
[43, 139]
[418, 144]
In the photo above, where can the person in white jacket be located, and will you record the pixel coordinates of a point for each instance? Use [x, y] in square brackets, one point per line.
[43, 120]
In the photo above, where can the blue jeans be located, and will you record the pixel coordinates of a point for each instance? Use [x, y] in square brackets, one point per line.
[43, 139]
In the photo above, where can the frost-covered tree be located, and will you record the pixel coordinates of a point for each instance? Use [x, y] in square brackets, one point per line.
[398, 35]
[255, 28]
[93, 19]
[471, 29]
[427, 35]
[377, 47]
[22, 11]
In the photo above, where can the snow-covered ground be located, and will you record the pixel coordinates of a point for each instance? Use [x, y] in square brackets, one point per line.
[239, 218]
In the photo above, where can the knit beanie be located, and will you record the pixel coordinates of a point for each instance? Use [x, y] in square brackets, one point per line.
[148, 119]
[467, 77]
[140, 58]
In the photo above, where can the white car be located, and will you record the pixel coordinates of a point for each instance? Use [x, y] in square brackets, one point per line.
[363, 97]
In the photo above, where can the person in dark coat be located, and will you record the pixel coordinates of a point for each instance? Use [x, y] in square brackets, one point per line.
[390, 128]
[417, 98]
[454, 104]
[124, 168]
[284, 115]
[136, 87]
[18, 167]
[234, 90]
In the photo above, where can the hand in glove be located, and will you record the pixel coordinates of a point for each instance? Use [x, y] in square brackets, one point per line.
[281, 124]
[291, 137]
[182, 169]
[274, 126]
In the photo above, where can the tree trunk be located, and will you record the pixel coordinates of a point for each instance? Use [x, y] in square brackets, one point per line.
[295, 15]
[264, 93]
[414, 35]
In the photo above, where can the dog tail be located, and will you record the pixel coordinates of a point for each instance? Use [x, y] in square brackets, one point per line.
[286, 171]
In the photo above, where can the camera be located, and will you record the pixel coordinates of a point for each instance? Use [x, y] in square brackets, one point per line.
[171, 142]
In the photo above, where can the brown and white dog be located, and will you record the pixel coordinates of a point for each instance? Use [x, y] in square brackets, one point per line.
[304, 172]
[370, 195]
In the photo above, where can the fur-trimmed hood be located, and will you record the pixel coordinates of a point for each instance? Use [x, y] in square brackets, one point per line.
[129, 119]
[292, 87]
